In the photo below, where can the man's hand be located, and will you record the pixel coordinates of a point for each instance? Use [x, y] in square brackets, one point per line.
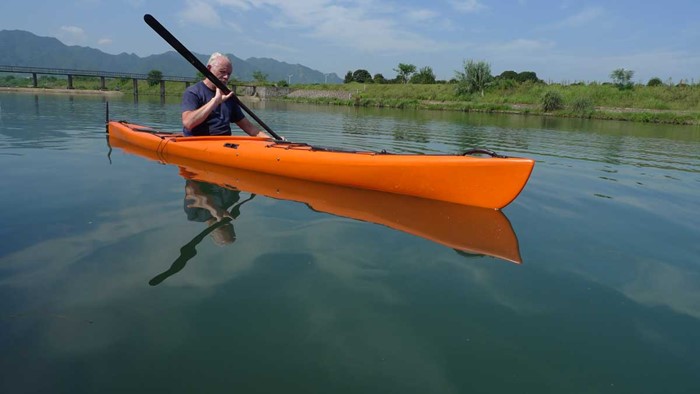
[219, 97]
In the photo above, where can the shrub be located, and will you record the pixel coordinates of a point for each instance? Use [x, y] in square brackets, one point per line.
[582, 106]
[505, 84]
[475, 78]
[552, 101]
[655, 82]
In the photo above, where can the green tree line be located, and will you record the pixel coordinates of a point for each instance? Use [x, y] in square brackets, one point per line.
[475, 77]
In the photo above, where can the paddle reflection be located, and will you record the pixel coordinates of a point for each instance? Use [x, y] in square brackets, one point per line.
[213, 205]
[468, 230]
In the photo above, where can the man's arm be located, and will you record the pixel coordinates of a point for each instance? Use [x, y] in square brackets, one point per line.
[250, 129]
[191, 119]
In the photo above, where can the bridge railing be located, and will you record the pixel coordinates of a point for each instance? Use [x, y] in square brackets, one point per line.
[89, 73]
[135, 77]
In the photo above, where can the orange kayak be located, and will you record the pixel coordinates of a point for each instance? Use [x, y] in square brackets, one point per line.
[488, 182]
[467, 229]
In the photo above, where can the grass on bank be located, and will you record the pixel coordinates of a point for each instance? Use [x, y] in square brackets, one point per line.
[663, 104]
[660, 104]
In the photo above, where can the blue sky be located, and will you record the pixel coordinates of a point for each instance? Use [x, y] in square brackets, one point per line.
[561, 40]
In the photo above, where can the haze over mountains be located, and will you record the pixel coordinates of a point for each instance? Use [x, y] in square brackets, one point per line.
[22, 48]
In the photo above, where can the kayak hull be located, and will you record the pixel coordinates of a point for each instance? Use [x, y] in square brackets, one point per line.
[489, 182]
[471, 231]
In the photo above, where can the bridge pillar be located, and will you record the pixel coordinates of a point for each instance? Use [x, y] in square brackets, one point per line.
[70, 81]
[162, 89]
[136, 87]
[102, 83]
[34, 83]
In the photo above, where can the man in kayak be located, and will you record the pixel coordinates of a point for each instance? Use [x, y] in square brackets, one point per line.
[207, 111]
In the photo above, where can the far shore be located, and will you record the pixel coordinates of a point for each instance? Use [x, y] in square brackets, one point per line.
[60, 91]
[329, 96]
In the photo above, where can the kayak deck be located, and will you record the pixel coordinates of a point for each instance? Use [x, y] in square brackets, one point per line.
[489, 182]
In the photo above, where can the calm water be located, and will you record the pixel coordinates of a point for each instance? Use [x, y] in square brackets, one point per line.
[100, 290]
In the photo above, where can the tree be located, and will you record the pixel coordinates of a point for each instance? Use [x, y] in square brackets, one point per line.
[259, 77]
[379, 78]
[475, 78]
[512, 75]
[362, 76]
[622, 78]
[154, 77]
[528, 76]
[425, 75]
[348, 77]
[404, 72]
[655, 82]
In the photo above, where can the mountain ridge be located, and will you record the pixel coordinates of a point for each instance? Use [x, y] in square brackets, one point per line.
[23, 48]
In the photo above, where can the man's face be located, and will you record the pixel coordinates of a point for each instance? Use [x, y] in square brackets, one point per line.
[222, 70]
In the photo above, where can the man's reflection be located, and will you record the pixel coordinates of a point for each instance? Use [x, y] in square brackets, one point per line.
[211, 204]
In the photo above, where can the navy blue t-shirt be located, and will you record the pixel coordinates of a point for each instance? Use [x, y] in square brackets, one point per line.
[222, 197]
[219, 121]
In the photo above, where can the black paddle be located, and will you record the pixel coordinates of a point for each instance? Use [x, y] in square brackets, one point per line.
[177, 45]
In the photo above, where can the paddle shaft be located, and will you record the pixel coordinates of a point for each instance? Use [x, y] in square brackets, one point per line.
[189, 56]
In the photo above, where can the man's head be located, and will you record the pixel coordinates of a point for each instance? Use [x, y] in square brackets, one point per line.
[224, 234]
[220, 66]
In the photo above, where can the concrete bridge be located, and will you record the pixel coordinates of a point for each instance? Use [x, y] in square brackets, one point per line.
[70, 73]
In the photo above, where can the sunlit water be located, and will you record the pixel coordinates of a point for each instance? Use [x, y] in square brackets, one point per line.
[100, 292]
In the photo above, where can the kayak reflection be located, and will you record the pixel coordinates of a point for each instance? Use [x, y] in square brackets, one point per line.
[468, 230]
[211, 204]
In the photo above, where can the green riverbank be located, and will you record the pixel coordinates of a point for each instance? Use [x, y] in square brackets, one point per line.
[650, 104]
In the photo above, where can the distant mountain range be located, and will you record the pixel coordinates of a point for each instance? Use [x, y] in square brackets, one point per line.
[22, 48]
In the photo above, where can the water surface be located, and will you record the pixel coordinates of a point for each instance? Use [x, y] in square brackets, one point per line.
[100, 291]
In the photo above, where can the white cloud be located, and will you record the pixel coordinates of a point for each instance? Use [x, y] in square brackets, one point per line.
[660, 283]
[273, 46]
[137, 3]
[200, 13]
[72, 35]
[467, 6]
[522, 44]
[364, 26]
[421, 15]
[240, 4]
[104, 41]
[72, 30]
[580, 19]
